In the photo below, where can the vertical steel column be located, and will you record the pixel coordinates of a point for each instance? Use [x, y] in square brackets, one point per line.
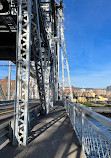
[65, 66]
[49, 33]
[37, 51]
[62, 57]
[36, 93]
[41, 57]
[58, 55]
[31, 95]
[46, 80]
[48, 57]
[22, 72]
[9, 80]
[53, 71]
[52, 49]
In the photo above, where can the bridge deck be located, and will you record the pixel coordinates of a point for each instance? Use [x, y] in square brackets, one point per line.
[52, 137]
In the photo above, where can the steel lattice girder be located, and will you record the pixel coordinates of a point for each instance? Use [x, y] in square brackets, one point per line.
[38, 46]
[23, 72]
[37, 52]
[31, 27]
[65, 66]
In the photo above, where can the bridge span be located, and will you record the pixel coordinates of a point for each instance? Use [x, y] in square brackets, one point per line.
[67, 131]
[32, 37]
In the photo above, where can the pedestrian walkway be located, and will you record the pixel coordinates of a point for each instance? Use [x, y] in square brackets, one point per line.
[52, 137]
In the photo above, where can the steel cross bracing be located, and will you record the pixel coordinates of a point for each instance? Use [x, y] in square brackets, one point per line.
[9, 81]
[40, 37]
[37, 52]
[2, 93]
[49, 12]
[66, 81]
[46, 10]
[22, 72]
[37, 57]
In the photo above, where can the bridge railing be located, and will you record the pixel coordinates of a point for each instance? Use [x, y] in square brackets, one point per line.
[92, 129]
[7, 122]
[4, 140]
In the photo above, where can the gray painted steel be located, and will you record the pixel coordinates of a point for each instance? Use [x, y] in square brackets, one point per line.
[35, 28]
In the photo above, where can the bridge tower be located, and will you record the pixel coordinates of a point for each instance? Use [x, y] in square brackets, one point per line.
[36, 56]
[66, 81]
[37, 27]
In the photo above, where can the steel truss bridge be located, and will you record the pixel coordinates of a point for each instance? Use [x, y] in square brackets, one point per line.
[32, 37]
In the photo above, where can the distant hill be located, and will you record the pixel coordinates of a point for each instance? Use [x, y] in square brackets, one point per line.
[108, 88]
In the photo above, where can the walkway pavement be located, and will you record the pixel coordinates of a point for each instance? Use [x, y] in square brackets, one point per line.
[52, 137]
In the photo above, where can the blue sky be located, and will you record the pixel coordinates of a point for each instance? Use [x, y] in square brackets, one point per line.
[4, 70]
[88, 42]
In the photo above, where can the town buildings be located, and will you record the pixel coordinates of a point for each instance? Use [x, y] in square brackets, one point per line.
[101, 92]
[79, 94]
[4, 85]
[89, 94]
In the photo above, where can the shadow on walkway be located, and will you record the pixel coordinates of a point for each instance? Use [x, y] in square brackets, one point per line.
[52, 137]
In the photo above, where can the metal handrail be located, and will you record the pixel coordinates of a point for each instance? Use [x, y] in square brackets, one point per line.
[106, 121]
[95, 142]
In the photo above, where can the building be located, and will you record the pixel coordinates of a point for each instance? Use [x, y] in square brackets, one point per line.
[102, 99]
[80, 99]
[78, 89]
[4, 85]
[101, 92]
[67, 90]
